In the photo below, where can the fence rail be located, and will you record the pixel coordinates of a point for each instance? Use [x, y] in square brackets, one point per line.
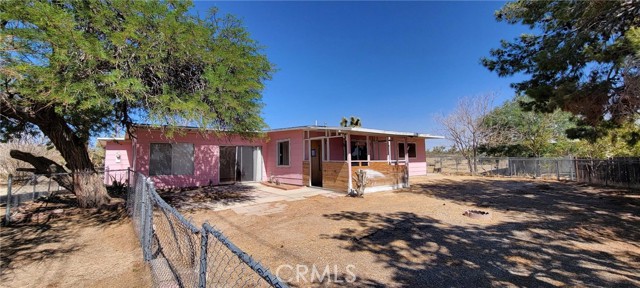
[183, 255]
[614, 172]
[27, 186]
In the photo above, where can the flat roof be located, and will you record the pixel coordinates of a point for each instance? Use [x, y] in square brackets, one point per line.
[337, 129]
[359, 130]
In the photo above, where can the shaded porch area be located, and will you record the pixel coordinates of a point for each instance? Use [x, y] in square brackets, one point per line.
[333, 156]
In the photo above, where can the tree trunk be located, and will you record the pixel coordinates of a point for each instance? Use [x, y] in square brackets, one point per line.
[72, 148]
[46, 167]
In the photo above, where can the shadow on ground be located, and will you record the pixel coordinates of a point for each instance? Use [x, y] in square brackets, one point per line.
[193, 198]
[48, 230]
[556, 234]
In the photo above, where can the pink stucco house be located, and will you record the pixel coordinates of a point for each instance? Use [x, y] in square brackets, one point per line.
[317, 156]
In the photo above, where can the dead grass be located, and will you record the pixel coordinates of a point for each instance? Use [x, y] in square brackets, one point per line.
[542, 233]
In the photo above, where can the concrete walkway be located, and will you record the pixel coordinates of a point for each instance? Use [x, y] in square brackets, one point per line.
[265, 199]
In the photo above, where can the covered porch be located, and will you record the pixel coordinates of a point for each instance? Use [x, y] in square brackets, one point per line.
[333, 155]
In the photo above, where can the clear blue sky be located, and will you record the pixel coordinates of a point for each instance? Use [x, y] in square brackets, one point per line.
[393, 64]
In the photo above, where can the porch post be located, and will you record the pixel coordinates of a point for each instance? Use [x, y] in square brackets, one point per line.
[350, 187]
[368, 150]
[309, 160]
[406, 152]
[406, 162]
[388, 150]
[328, 149]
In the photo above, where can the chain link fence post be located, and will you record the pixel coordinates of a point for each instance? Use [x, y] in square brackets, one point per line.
[204, 242]
[143, 220]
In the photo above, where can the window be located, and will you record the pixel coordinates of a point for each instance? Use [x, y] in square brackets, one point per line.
[412, 150]
[283, 153]
[171, 159]
[358, 150]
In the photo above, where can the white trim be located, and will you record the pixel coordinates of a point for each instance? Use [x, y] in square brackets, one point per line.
[310, 164]
[368, 150]
[389, 150]
[350, 186]
[278, 152]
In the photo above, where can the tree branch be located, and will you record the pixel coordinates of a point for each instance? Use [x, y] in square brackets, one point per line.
[46, 167]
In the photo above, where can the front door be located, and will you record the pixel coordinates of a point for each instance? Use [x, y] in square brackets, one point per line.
[316, 163]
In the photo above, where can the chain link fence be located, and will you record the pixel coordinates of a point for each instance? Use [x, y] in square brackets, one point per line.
[614, 171]
[183, 255]
[24, 186]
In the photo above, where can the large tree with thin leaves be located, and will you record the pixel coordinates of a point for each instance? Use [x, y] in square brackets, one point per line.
[74, 69]
[581, 56]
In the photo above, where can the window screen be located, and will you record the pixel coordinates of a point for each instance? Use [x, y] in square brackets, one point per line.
[412, 150]
[283, 153]
[171, 159]
[182, 159]
[160, 162]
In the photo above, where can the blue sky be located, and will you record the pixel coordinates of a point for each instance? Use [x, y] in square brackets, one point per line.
[393, 64]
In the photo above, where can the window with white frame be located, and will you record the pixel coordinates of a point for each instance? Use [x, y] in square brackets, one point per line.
[283, 152]
[171, 159]
[412, 150]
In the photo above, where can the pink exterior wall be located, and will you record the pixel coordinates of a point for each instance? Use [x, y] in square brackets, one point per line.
[207, 151]
[336, 149]
[418, 164]
[112, 165]
[206, 154]
[291, 174]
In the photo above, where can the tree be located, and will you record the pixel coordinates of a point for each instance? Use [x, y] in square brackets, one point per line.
[33, 144]
[352, 122]
[465, 128]
[516, 132]
[620, 142]
[585, 60]
[441, 150]
[73, 69]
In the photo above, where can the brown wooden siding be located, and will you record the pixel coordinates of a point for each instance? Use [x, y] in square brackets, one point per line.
[305, 173]
[393, 174]
[335, 176]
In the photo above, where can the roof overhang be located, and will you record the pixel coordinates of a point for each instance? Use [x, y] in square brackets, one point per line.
[361, 131]
[102, 141]
[349, 130]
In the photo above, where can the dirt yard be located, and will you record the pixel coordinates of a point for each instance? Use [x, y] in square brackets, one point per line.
[541, 234]
[61, 245]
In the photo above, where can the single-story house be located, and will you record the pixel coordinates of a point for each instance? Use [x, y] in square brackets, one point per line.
[318, 156]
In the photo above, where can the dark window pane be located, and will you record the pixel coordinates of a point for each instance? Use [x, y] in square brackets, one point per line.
[412, 150]
[160, 159]
[283, 153]
[358, 150]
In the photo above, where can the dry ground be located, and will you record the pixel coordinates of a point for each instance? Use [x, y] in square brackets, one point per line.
[76, 248]
[542, 234]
